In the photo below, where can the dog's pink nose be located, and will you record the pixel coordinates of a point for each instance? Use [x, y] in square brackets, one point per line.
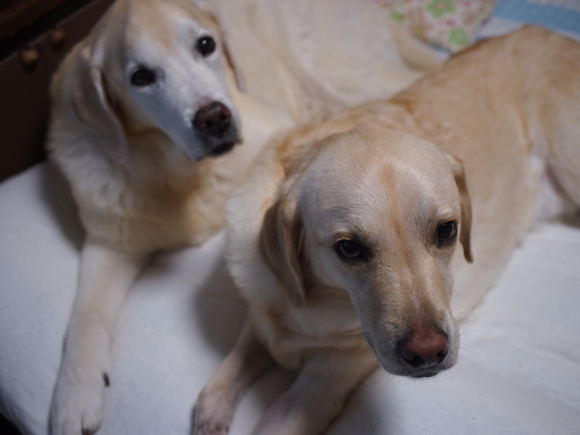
[213, 119]
[424, 347]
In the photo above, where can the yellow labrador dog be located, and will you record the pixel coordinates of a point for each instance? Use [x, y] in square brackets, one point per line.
[139, 107]
[142, 109]
[347, 233]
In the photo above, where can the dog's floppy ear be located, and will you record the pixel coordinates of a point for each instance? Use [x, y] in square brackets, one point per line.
[465, 234]
[211, 12]
[280, 244]
[88, 101]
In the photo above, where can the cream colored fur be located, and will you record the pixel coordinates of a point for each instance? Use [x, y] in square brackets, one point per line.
[142, 178]
[137, 171]
[321, 55]
[505, 118]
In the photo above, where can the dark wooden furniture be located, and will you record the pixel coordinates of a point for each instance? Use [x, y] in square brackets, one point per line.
[34, 37]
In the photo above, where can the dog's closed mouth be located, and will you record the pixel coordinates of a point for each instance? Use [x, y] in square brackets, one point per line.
[425, 374]
[222, 148]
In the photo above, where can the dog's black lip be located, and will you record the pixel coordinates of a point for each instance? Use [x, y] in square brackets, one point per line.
[421, 373]
[222, 148]
[400, 368]
[424, 375]
[407, 373]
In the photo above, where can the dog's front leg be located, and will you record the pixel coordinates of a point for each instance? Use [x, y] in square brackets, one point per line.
[318, 395]
[218, 400]
[105, 277]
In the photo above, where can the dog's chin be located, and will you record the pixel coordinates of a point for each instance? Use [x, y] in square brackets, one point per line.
[207, 146]
[222, 149]
[216, 149]
[409, 372]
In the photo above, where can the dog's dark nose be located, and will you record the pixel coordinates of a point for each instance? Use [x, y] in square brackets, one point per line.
[213, 119]
[424, 347]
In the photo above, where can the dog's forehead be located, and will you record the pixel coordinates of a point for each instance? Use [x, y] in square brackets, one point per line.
[375, 174]
[168, 24]
[143, 28]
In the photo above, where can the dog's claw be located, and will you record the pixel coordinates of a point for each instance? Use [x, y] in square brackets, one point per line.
[211, 417]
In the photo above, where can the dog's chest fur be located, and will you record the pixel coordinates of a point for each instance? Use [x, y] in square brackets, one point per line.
[153, 200]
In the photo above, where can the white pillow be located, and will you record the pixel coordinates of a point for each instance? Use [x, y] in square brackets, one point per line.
[518, 372]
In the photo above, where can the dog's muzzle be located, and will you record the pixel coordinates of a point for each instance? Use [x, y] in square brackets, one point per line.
[422, 352]
[216, 129]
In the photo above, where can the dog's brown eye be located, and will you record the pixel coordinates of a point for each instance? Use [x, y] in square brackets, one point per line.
[349, 249]
[142, 77]
[206, 45]
[447, 232]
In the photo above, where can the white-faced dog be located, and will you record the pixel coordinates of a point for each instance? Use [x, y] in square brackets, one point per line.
[350, 236]
[139, 108]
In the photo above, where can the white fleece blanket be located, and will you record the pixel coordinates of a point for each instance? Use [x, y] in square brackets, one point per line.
[518, 373]
[519, 367]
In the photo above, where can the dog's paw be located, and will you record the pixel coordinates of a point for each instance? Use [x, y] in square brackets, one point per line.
[212, 414]
[77, 404]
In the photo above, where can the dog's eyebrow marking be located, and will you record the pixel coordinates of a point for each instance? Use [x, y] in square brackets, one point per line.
[444, 216]
[347, 235]
[106, 379]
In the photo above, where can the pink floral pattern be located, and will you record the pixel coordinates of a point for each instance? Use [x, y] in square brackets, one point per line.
[449, 24]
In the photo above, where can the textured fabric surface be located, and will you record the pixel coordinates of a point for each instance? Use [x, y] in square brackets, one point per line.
[562, 16]
[449, 24]
[454, 24]
[519, 367]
